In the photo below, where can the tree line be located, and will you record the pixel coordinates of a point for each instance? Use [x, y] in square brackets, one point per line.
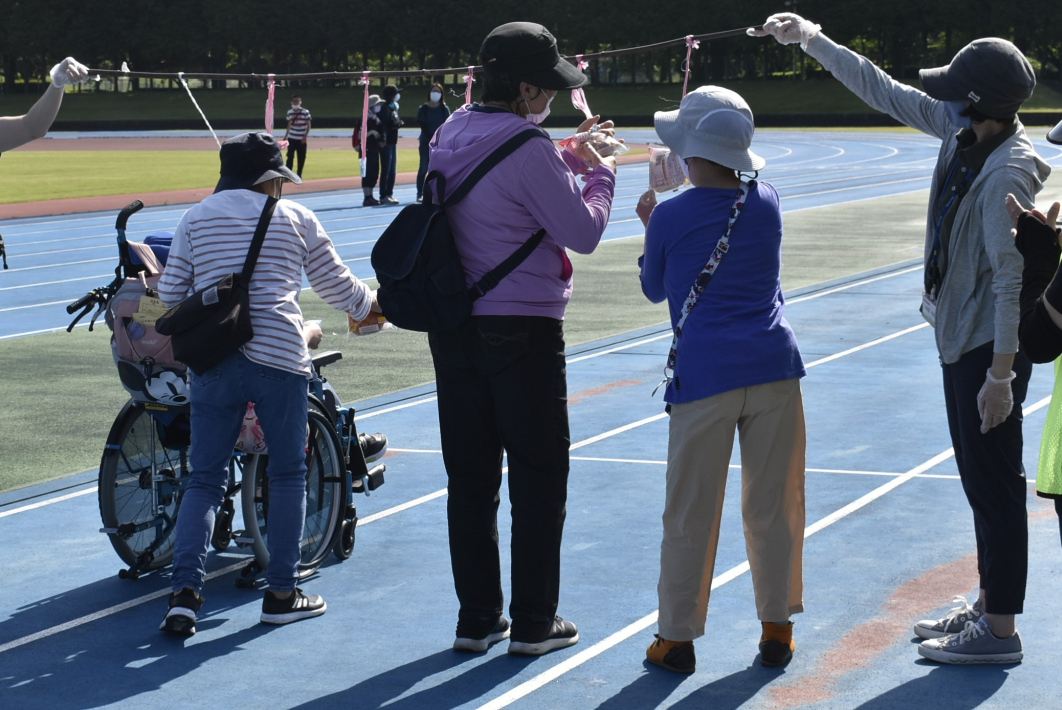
[286, 36]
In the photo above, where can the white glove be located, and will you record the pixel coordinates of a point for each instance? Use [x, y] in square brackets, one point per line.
[787, 28]
[68, 72]
[994, 401]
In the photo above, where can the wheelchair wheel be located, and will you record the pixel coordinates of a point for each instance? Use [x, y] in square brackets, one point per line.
[144, 523]
[344, 546]
[325, 497]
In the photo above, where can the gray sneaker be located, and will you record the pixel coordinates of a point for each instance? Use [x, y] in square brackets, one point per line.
[974, 644]
[953, 623]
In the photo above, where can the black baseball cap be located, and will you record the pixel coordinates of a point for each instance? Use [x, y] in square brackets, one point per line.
[251, 158]
[1055, 134]
[526, 51]
[991, 73]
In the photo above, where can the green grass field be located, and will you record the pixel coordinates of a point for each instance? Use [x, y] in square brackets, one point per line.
[29, 176]
[764, 97]
[61, 393]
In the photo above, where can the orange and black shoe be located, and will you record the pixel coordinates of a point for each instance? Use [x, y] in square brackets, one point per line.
[675, 656]
[776, 644]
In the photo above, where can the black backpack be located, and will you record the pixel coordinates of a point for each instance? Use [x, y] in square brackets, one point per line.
[422, 281]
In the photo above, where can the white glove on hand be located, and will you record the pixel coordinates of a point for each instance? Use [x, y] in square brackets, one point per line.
[787, 28]
[994, 401]
[68, 72]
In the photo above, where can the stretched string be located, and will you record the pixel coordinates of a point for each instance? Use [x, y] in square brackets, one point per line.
[180, 76]
[691, 44]
[364, 81]
[468, 84]
[578, 95]
[269, 104]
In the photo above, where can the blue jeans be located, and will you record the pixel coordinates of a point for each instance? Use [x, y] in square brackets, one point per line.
[219, 400]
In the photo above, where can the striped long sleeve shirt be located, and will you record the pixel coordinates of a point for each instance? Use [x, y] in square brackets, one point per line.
[212, 241]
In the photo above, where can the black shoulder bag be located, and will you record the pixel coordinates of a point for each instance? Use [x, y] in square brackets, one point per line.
[214, 322]
[422, 281]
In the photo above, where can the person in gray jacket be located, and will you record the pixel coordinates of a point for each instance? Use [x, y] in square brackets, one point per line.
[972, 284]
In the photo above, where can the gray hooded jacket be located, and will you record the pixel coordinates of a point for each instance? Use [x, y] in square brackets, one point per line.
[978, 300]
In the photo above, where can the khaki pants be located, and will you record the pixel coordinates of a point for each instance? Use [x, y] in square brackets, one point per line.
[770, 421]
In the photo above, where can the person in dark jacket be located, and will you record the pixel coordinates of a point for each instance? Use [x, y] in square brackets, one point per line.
[373, 136]
[389, 123]
[430, 116]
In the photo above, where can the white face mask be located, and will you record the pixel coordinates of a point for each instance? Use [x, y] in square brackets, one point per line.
[296, 106]
[397, 98]
[435, 96]
[538, 118]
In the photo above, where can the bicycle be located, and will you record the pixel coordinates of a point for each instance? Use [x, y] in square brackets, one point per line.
[144, 469]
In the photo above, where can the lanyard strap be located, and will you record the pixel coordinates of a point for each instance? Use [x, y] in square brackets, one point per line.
[933, 277]
[703, 278]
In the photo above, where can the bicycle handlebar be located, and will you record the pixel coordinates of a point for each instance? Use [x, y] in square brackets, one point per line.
[128, 211]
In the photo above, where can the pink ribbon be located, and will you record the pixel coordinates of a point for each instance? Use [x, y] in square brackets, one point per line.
[468, 85]
[691, 44]
[580, 64]
[364, 81]
[269, 105]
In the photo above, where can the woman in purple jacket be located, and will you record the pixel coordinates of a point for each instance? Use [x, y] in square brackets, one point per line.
[501, 376]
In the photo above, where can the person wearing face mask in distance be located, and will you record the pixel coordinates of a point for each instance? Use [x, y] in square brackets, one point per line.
[389, 125]
[500, 376]
[972, 281]
[430, 116]
[297, 134]
[271, 370]
[373, 137]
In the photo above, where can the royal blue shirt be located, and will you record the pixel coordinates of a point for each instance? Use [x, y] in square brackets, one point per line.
[737, 335]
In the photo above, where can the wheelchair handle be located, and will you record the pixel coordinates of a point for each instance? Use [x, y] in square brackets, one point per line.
[128, 211]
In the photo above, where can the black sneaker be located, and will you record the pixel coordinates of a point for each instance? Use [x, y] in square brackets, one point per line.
[561, 635]
[373, 446]
[479, 644]
[295, 608]
[370, 202]
[181, 615]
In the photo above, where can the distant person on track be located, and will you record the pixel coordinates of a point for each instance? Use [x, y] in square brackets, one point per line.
[972, 284]
[389, 124]
[298, 134]
[1037, 238]
[501, 379]
[211, 240]
[20, 130]
[735, 365]
[430, 116]
[374, 136]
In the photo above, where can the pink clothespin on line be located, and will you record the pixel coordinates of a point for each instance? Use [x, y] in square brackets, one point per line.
[691, 44]
[364, 81]
[578, 95]
[468, 85]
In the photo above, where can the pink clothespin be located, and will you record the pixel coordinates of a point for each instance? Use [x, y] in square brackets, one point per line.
[691, 44]
[269, 104]
[468, 85]
[578, 95]
[364, 81]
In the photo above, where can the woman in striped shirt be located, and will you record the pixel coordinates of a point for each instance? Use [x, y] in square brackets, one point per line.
[212, 240]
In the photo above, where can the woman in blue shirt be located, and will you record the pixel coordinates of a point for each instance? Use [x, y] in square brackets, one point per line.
[735, 365]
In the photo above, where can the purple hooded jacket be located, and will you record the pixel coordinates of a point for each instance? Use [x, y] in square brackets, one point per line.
[533, 188]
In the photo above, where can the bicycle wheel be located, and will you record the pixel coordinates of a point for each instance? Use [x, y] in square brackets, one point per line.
[325, 498]
[140, 450]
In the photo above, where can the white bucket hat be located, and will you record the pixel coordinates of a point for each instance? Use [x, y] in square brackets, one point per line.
[711, 123]
[1055, 135]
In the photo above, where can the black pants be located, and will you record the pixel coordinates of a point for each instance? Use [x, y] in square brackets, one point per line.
[502, 385]
[422, 172]
[388, 165]
[372, 164]
[993, 478]
[296, 148]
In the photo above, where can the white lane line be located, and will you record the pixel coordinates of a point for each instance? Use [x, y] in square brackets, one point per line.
[102, 613]
[414, 451]
[864, 346]
[53, 283]
[38, 332]
[41, 504]
[407, 405]
[530, 686]
[52, 266]
[399, 508]
[35, 305]
[861, 282]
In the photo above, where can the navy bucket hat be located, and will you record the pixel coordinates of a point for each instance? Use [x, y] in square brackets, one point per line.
[251, 158]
